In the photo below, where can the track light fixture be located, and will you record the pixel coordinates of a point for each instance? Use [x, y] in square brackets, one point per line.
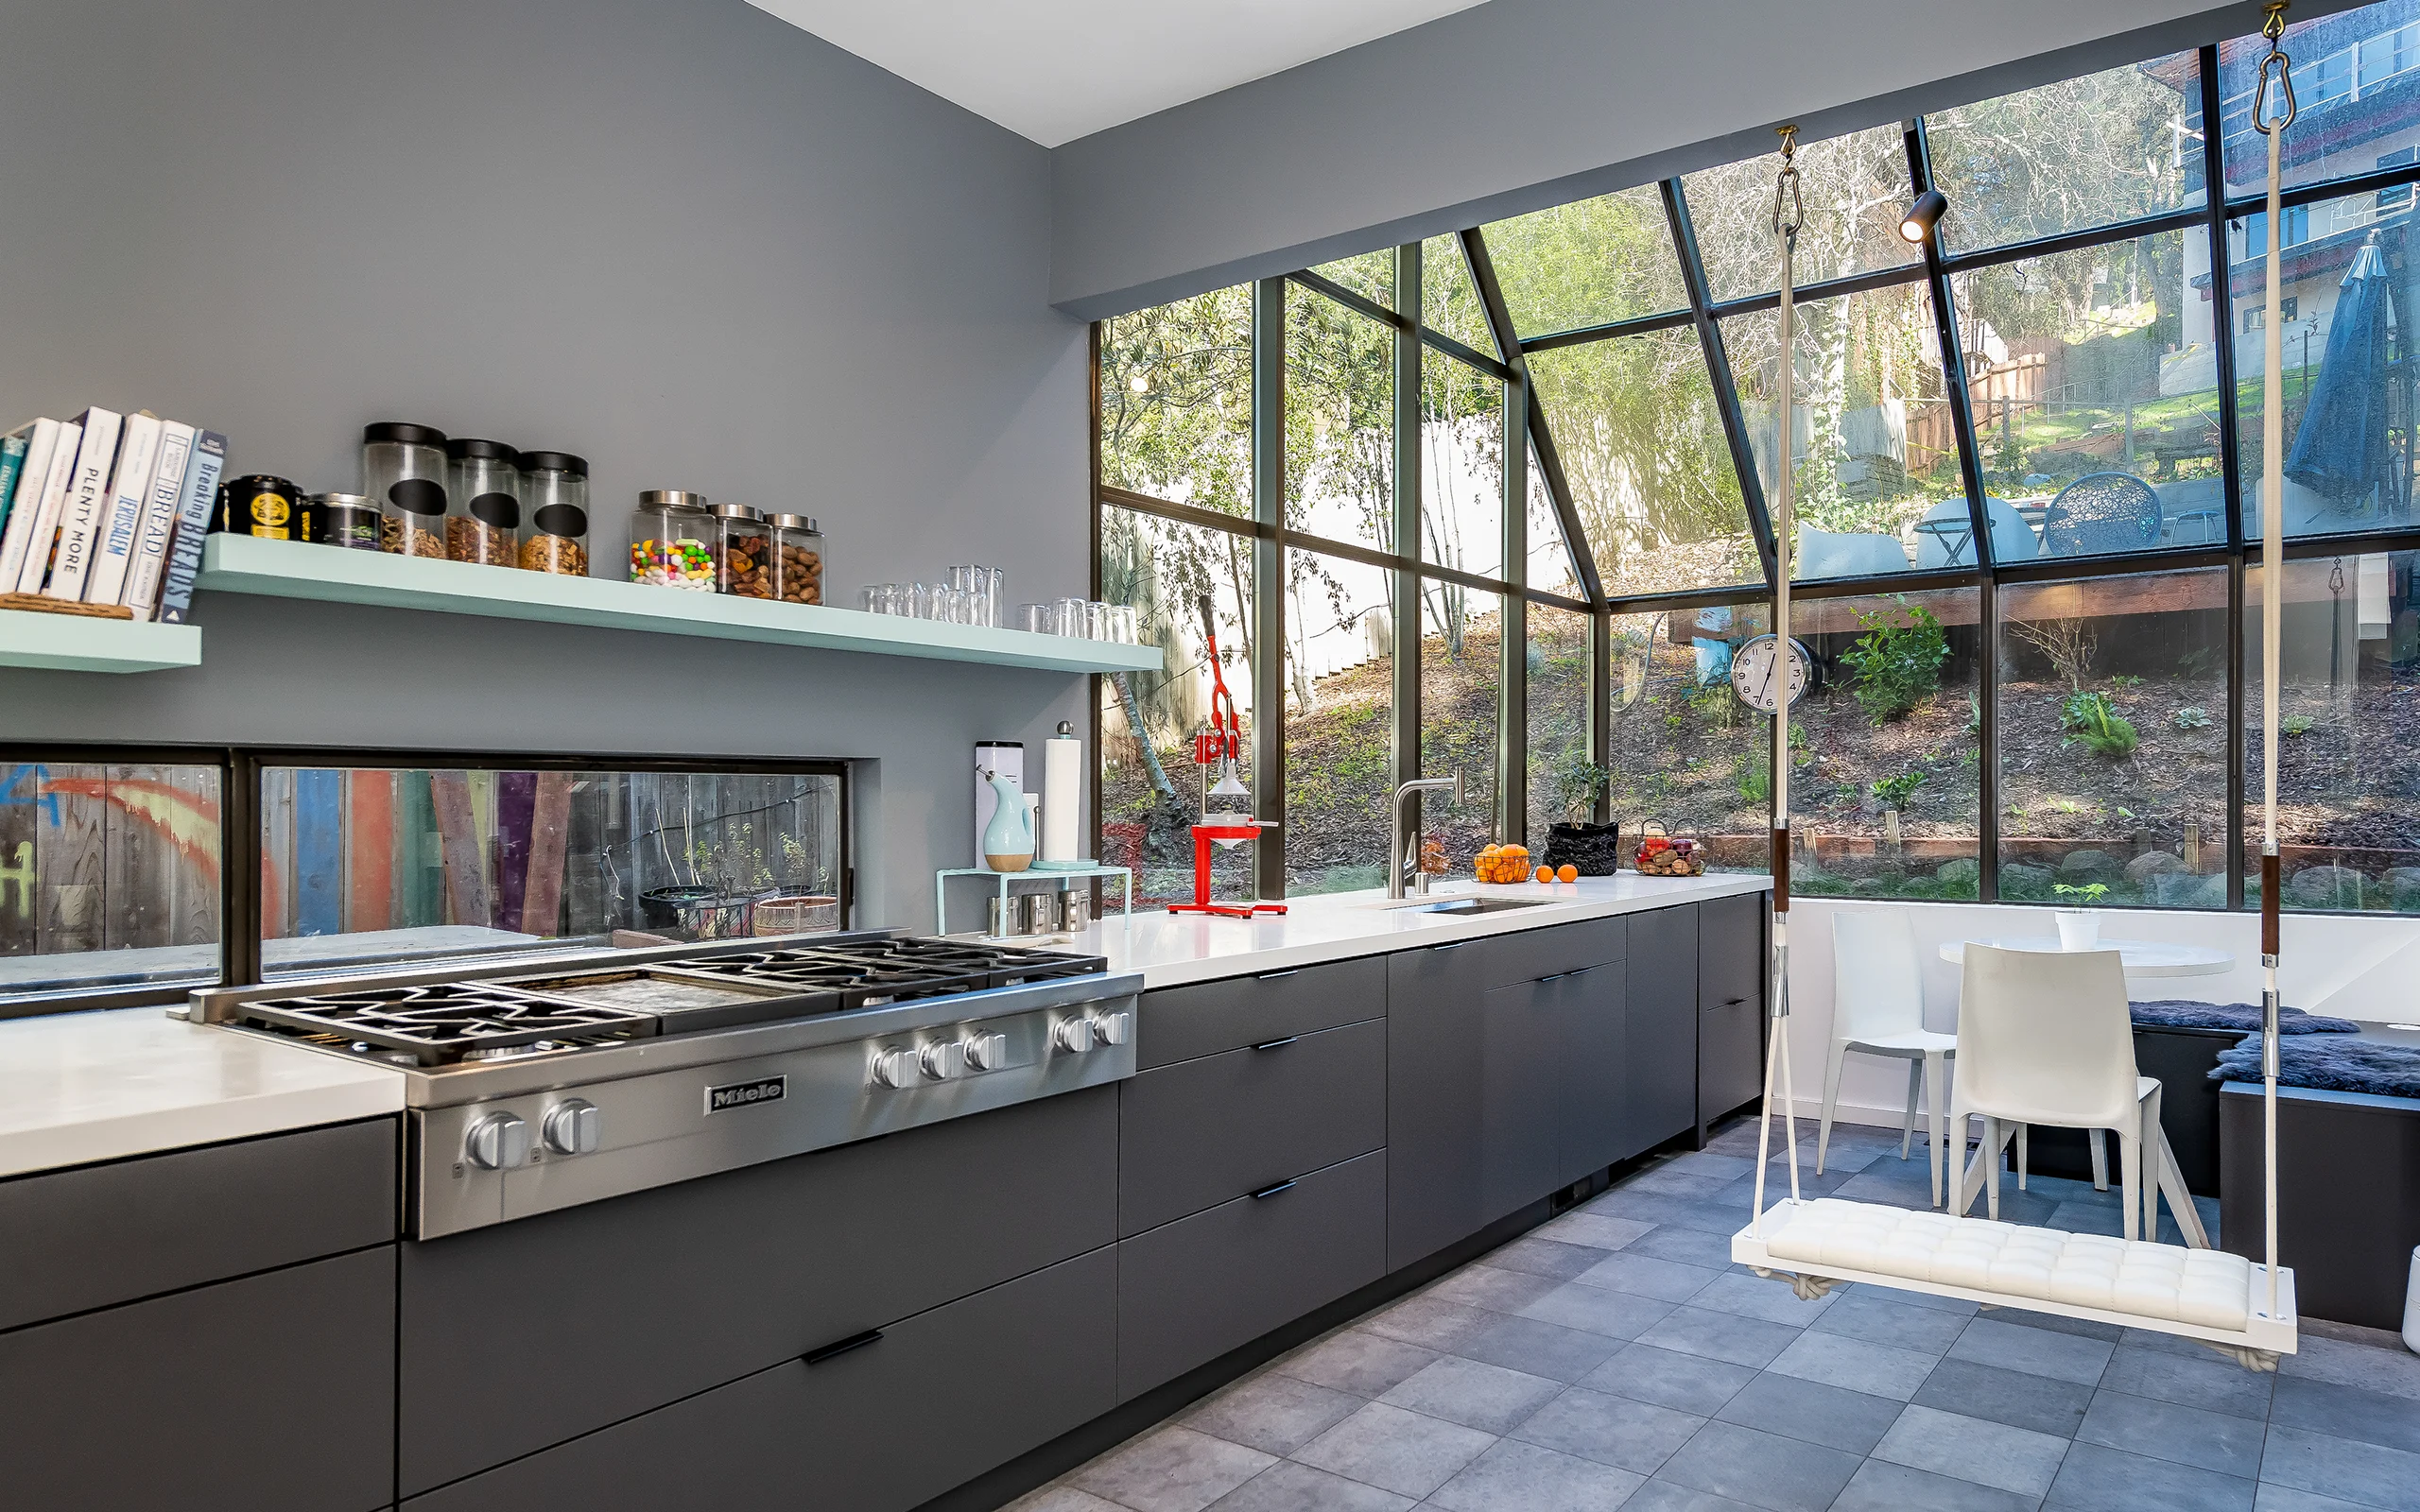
[1923, 216]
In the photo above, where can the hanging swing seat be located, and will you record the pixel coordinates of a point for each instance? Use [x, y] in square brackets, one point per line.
[2207, 1295]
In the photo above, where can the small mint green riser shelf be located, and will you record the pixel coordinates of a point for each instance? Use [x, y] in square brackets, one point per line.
[288, 569]
[79, 643]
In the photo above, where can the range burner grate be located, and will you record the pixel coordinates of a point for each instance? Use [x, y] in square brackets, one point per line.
[444, 1023]
[852, 984]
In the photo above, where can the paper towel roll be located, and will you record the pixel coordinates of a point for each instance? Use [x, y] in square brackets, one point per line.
[1062, 798]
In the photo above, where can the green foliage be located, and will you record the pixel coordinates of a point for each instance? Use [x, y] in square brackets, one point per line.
[2094, 724]
[1717, 705]
[2294, 725]
[1895, 791]
[2091, 892]
[1756, 778]
[2192, 716]
[1897, 665]
[1578, 782]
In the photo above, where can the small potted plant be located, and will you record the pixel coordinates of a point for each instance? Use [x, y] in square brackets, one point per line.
[1590, 849]
[2078, 926]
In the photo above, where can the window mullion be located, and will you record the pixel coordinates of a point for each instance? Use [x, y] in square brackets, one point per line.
[1406, 642]
[1718, 361]
[1268, 583]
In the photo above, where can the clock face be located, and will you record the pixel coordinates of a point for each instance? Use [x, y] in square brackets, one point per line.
[1764, 678]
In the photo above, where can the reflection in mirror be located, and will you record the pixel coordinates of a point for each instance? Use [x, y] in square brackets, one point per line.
[109, 877]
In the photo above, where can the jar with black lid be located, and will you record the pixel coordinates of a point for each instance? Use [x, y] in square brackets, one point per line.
[258, 505]
[345, 520]
[403, 467]
[483, 523]
[554, 508]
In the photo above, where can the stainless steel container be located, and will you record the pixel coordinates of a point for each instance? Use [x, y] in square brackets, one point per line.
[1028, 913]
[1075, 909]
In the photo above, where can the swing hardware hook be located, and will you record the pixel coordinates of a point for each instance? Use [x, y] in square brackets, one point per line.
[1785, 187]
[2273, 26]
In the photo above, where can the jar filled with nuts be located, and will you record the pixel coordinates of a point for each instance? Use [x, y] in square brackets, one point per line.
[743, 552]
[403, 467]
[484, 524]
[672, 540]
[798, 559]
[554, 498]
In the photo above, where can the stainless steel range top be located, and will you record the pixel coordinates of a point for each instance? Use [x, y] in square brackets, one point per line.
[532, 1089]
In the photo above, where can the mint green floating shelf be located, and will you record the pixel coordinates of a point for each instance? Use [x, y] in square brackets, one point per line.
[79, 643]
[288, 569]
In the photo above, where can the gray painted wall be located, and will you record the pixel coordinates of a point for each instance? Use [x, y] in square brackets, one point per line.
[691, 243]
[1519, 104]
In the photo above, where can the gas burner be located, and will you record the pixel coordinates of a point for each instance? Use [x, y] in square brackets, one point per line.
[449, 1021]
[851, 984]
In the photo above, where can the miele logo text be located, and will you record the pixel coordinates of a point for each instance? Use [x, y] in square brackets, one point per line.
[746, 1093]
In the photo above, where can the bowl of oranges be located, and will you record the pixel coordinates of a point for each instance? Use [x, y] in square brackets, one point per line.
[1511, 863]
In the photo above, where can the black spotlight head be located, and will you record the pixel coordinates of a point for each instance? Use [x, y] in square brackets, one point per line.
[1923, 216]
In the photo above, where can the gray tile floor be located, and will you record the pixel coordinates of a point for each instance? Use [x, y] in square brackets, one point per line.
[1615, 1357]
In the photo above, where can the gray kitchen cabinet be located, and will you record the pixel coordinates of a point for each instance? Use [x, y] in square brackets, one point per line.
[1196, 1133]
[274, 1393]
[1436, 1107]
[1661, 1045]
[1521, 1032]
[869, 1423]
[1183, 1023]
[524, 1335]
[1589, 1015]
[1732, 963]
[1190, 1291]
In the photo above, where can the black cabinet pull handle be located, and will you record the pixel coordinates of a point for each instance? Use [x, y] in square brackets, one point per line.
[854, 1340]
[1271, 976]
[1733, 1002]
[1272, 1044]
[1557, 977]
[1282, 1186]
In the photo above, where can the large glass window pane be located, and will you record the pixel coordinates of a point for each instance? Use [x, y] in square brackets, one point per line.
[1560, 783]
[1551, 569]
[1176, 401]
[2344, 379]
[1877, 486]
[1448, 299]
[2348, 747]
[2355, 74]
[1587, 264]
[1462, 466]
[1372, 275]
[109, 878]
[1339, 731]
[364, 867]
[2088, 151]
[1462, 632]
[1886, 789]
[2094, 394]
[1685, 752]
[1635, 422]
[2113, 713]
[1340, 422]
[1150, 790]
[1855, 188]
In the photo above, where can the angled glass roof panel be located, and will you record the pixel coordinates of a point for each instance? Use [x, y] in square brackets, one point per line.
[1176, 401]
[1448, 298]
[1855, 188]
[1587, 264]
[1372, 275]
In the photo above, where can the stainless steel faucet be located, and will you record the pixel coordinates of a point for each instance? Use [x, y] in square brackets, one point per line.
[1406, 862]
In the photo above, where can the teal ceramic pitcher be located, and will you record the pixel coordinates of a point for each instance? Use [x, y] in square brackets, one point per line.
[1007, 841]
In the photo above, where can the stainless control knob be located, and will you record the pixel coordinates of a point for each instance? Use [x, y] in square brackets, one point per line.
[943, 1059]
[572, 1126]
[897, 1068]
[498, 1142]
[1113, 1028]
[1075, 1036]
[987, 1051]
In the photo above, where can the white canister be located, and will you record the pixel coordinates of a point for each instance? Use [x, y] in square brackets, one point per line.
[2079, 928]
[2411, 1307]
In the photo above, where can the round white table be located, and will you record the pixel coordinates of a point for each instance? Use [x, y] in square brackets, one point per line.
[2135, 957]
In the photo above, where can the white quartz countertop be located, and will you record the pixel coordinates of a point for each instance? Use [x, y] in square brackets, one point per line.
[75, 1088]
[1173, 949]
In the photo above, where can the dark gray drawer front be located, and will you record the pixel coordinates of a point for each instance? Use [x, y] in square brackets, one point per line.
[1189, 1291]
[650, 1298]
[1179, 1022]
[939, 1400]
[103, 1234]
[1201, 1132]
[1532, 953]
[270, 1393]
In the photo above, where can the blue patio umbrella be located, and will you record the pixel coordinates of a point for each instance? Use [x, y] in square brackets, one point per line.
[2341, 447]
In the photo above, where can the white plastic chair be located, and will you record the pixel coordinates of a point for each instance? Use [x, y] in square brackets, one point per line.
[1878, 1009]
[2045, 1037]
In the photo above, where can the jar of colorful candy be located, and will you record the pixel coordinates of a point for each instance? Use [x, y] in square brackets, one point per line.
[672, 540]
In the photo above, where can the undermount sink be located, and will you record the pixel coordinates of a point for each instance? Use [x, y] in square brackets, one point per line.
[1473, 906]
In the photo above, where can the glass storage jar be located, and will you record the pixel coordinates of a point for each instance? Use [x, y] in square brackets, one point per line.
[403, 468]
[798, 559]
[672, 540]
[742, 549]
[346, 520]
[553, 504]
[484, 485]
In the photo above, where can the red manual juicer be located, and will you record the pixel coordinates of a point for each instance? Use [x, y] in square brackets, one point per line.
[1219, 747]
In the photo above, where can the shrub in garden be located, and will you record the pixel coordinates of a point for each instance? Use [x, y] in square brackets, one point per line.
[1896, 666]
[2094, 724]
[1895, 791]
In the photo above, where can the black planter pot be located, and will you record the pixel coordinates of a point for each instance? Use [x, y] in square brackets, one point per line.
[1593, 848]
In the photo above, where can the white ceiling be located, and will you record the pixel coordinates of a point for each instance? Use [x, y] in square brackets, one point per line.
[1055, 70]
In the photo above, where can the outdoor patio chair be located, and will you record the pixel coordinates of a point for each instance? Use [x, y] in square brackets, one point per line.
[2101, 513]
[1945, 536]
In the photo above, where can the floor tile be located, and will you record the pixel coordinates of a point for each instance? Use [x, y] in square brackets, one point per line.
[1172, 1469]
[1665, 1496]
[1502, 1291]
[1687, 1382]
[1760, 1469]
[2367, 1474]
[1813, 1412]
[1593, 1229]
[1720, 1336]
[1881, 1317]
[1657, 1207]
[1486, 1396]
[2087, 1218]
[1974, 1448]
[1707, 1162]
[1959, 1305]
[1061, 1499]
[2274, 1498]
[1666, 1281]
[1677, 1183]
[2206, 1381]
[2347, 1412]
[1635, 1435]
[1289, 1486]
[1272, 1412]
[2168, 1430]
[1876, 1370]
[1760, 1296]
[1394, 1450]
[1594, 1310]
[1691, 1246]
[1880, 1486]
[1366, 1364]
[2396, 1372]
[1850, 1155]
[2095, 1479]
[1516, 1477]
[1429, 1322]
[1551, 1258]
[1540, 1349]
[2035, 1351]
[2082, 1328]
[2011, 1396]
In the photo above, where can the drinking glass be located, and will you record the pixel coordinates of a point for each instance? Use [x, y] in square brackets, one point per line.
[996, 593]
[883, 598]
[1034, 617]
[1125, 625]
[1097, 620]
[919, 602]
[1067, 617]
